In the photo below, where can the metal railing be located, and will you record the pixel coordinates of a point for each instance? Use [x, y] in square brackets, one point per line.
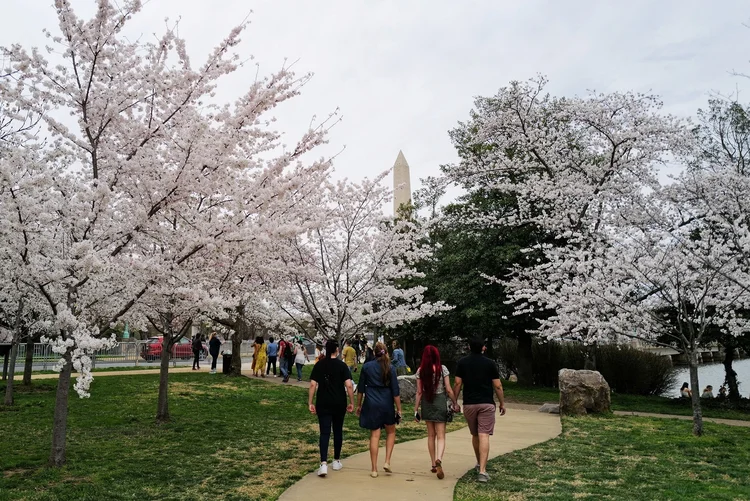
[123, 354]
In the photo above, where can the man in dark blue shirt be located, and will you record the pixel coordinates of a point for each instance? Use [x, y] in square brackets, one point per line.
[480, 379]
[272, 350]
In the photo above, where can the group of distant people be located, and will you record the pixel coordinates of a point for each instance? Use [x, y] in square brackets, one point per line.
[708, 391]
[287, 352]
[214, 345]
[378, 403]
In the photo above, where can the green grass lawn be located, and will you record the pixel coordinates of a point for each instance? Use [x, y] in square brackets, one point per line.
[229, 439]
[628, 458]
[621, 402]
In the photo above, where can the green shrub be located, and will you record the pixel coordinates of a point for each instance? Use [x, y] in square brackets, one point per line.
[626, 369]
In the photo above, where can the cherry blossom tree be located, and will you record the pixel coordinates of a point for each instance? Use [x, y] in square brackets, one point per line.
[25, 217]
[270, 218]
[657, 279]
[713, 187]
[627, 258]
[137, 152]
[351, 273]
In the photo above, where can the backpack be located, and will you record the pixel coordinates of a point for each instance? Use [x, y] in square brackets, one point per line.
[289, 351]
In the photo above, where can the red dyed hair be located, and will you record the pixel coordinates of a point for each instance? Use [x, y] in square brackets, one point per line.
[430, 372]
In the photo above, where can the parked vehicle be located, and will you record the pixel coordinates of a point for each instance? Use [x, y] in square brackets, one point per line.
[153, 347]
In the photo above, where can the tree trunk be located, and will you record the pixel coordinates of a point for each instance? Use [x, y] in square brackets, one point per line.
[60, 422]
[162, 408]
[525, 360]
[695, 391]
[730, 374]
[28, 365]
[12, 371]
[17, 335]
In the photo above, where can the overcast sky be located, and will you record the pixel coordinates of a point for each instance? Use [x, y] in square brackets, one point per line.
[404, 72]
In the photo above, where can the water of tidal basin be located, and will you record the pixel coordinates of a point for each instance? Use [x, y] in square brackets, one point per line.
[713, 374]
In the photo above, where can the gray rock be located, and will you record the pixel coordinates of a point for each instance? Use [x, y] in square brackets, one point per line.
[408, 387]
[550, 408]
[583, 392]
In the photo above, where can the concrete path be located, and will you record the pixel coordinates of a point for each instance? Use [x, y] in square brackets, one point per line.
[411, 478]
[521, 427]
[119, 373]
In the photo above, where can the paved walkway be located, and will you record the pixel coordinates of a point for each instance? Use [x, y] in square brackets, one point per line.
[172, 370]
[411, 478]
[521, 427]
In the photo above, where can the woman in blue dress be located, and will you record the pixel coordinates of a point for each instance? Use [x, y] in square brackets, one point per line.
[378, 386]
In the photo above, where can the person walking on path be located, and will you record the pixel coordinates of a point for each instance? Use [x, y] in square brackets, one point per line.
[399, 360]
[480, 380]
[329, 384]
[272, 351]
[214, 345]
[378, 386]
[259, 354]
[197, 347]
[350, 356]
[300, 358]
[433, 391]
[290, 353]
[284, 366]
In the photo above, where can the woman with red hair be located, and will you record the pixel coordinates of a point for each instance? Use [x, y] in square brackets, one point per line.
[433, 391]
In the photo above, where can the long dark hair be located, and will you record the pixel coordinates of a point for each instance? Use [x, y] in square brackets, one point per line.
[381, 355]
[430, 372]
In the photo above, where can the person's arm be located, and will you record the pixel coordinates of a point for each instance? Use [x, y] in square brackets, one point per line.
[457, 385]
[449, 391]
[418, 398]
[361, 391]
[311, 395]
[350, 392]
[498, 386]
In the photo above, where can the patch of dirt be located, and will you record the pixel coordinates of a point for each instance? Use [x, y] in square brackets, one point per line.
[17, 471]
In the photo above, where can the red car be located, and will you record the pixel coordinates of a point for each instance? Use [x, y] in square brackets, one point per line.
[183, 349]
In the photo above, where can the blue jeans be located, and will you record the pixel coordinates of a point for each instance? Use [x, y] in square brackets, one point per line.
[284, 367]
[299, 370]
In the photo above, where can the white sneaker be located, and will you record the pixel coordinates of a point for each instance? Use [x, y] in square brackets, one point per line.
[213, 372]
[323, 470]
[337, 465]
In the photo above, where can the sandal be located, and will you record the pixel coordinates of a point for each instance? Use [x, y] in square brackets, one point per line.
[439, 468]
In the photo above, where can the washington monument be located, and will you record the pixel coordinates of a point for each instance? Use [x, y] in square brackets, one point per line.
[401, 183]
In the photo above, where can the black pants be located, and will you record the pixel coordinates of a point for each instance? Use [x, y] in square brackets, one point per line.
[196, 359]
[328, 421]
[271, 361]
[214, 358]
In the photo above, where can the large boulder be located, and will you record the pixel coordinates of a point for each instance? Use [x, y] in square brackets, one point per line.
[408, 387]
[582, 392]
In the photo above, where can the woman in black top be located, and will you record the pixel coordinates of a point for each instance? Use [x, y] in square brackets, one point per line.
[332, 380]
[197, 346]
[214, 345]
